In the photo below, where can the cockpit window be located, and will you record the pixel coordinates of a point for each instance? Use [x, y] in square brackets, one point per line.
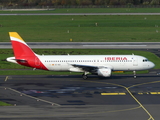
[145, 60]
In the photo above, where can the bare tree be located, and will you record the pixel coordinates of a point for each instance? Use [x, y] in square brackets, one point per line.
[86, 2]
[77, 2]
[122, 2]
[99, 2]
[155, 2]
[114, 2]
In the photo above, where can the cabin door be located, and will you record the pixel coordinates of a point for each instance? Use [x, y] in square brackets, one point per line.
[135, 61]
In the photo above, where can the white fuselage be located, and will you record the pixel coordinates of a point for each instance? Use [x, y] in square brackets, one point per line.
[114, 62]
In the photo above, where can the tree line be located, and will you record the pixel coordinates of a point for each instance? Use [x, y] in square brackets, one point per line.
[76, 2]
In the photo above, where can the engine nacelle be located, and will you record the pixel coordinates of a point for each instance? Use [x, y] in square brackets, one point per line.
[104, 72]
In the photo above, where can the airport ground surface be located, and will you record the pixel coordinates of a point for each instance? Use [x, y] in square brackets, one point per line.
[88, 45]
[120, 97]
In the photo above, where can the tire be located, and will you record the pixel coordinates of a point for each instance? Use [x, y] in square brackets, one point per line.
[85, 77]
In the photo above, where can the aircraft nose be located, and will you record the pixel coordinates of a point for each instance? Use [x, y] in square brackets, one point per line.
[151, 65]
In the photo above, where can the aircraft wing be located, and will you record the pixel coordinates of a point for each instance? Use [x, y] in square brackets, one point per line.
[87, 68]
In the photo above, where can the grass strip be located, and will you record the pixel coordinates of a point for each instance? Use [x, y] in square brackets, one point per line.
[4, 104]
[81, 28]
[42, 72]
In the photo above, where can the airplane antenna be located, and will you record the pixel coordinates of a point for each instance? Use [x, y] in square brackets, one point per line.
[68, 54]
[132, 53]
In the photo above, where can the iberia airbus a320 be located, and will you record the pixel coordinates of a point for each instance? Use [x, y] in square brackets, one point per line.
[101, 65]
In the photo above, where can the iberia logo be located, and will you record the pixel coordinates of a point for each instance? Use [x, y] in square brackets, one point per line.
[115, 58]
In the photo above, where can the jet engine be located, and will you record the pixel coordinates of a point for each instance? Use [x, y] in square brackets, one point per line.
[104, 72]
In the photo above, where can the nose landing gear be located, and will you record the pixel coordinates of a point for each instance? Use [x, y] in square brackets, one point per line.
[134, 74]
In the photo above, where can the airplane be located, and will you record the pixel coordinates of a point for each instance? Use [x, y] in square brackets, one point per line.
[101, 65]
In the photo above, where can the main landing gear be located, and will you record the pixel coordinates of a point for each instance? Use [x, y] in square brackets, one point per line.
[134, 73]
[84, 76]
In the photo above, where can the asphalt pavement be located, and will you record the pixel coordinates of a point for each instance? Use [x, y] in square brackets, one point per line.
[89, 45]
[69, 97]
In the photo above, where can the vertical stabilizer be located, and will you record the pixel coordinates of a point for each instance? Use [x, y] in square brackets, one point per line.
[23, 53]
[20, 48]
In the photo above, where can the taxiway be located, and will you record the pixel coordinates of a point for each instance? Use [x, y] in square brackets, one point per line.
[69, 97]
[88, 45]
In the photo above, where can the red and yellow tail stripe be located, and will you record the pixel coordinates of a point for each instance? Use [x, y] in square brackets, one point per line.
[23, 53]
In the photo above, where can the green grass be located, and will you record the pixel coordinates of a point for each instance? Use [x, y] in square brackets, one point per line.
[81, 28]
[34, 72]
[15, 69]
[42, 72]
[4, 104]
[92, 10]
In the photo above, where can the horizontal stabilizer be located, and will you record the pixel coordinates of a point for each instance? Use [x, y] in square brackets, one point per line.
[21, 60]
[13, 60]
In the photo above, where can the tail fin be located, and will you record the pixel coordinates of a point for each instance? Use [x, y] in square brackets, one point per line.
[20, 48]
[23, 53]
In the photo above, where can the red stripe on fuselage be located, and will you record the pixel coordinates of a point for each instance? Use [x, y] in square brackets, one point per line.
[23, 52]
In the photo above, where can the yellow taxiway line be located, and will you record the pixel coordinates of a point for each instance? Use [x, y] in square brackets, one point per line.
[113, 93]
[127, 88]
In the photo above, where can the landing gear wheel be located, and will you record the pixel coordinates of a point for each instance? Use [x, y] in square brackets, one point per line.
[84, 77]
[134, 73]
